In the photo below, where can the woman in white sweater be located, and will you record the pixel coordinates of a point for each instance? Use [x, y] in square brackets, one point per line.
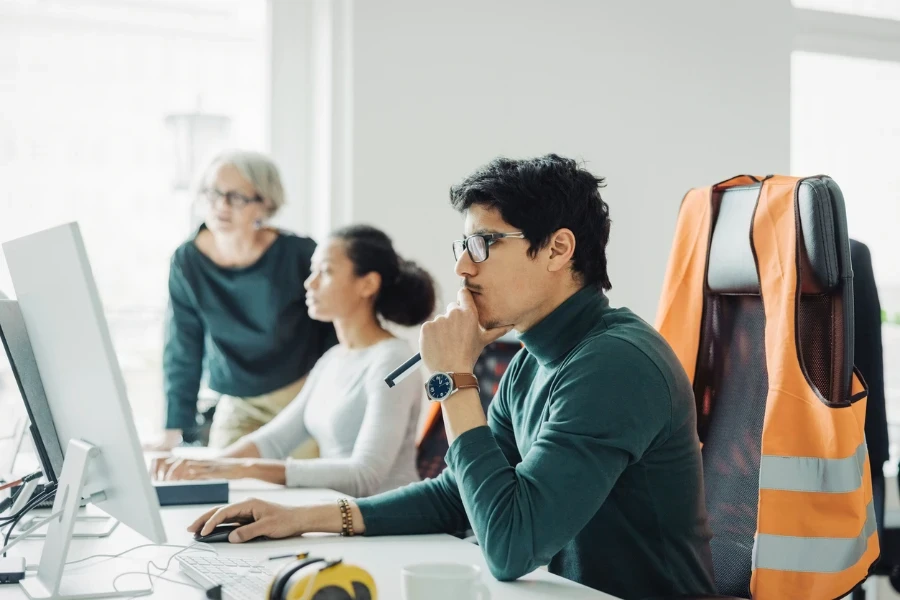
[365, 431]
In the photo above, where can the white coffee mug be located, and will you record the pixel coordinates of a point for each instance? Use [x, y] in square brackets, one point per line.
[443, 581]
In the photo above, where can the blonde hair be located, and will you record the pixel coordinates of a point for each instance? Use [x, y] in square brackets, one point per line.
[258, 169]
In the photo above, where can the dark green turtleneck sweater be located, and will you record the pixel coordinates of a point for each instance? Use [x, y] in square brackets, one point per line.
[590, 463]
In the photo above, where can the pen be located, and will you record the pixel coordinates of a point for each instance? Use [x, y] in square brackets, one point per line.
[299, 556]
[403, 371]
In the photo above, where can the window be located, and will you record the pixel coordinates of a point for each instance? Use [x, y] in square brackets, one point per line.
[87, 89]
[882, 9]
[845, 123]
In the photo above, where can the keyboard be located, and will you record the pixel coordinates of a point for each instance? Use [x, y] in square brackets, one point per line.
[240, 578]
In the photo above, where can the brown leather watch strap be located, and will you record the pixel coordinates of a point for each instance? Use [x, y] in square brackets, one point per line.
[462, 381]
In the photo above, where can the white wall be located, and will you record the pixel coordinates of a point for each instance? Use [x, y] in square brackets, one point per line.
[657, 96]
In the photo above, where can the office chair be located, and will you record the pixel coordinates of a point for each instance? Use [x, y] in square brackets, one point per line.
[722, 342]
[868, 357]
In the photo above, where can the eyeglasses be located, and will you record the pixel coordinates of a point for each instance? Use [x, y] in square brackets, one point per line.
[477, 245]
[235, 200]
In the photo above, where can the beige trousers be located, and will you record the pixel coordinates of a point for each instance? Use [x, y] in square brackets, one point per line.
[235, 417]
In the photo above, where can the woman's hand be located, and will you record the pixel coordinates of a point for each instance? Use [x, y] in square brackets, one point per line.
[172, 468]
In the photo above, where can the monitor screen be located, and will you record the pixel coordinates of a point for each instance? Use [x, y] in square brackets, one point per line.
[24, 368]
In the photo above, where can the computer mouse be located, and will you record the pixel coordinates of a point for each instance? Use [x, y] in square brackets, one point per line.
[220, 534]
[217, 535]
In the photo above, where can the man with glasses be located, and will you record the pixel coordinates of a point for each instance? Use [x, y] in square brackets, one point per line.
[589, 459]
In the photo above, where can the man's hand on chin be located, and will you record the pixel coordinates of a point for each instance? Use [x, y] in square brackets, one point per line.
[452, 342]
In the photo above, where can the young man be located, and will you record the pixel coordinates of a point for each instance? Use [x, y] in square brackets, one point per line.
[589, 461]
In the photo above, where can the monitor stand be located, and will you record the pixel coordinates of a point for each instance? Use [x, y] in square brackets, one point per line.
[51, 582]
[87, 525]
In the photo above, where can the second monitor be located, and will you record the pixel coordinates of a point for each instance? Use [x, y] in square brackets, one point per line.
[86, 395]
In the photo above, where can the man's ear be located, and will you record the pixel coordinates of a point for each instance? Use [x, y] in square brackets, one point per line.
[561, 248]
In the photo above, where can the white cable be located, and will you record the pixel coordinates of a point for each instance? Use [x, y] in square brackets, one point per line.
[171, 558]
[197, 545]
[150, 575]
[29, 531]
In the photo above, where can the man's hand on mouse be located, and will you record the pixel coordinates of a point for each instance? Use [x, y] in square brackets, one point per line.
[276, 521]
[263, 519]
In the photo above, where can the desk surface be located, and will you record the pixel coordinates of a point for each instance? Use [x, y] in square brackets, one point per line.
[381, 556]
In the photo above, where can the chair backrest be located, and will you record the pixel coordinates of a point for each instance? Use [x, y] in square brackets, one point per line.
[729, 338]
[731, 382]
[868, 356]
[868, 353]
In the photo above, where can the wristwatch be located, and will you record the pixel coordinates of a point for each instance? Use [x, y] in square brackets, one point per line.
[441, 386]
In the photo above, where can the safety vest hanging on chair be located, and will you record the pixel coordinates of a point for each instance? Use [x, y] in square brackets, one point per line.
[815, 532]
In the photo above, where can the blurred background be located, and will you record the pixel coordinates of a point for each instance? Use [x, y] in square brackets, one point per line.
[373, 108]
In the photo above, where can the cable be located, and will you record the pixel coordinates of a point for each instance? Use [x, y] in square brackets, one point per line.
[195, 546]
[23, 480]
[151, 577]
[10, 484]
[11, 499]
[18, 486]
[28, 531]
[198, 545]
[18, 516]
[162, 570]
[46, 493]
[30, 505]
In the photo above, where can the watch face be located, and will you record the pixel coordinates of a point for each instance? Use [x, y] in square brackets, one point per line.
[439, 386]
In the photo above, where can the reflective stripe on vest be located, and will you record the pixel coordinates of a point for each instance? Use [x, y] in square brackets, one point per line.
[803, 474]
[813, 555]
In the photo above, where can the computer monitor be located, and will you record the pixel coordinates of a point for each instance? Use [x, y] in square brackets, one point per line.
[11, 430]
[85, 391]
[15, 340]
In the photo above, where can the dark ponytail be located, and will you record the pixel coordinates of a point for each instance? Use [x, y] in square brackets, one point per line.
[407, 294]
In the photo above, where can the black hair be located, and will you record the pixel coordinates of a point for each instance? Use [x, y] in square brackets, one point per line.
[407, 294]
[540, 196]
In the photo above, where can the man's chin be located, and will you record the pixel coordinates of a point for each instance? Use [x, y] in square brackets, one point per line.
[488, 321]
[492, 324]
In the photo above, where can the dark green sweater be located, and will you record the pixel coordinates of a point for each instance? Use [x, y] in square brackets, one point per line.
[590, 463]
[249, 325]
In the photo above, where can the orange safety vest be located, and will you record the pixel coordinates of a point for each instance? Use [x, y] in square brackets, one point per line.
[815, 533]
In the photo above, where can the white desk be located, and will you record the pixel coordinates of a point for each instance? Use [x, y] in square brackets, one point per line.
[383, 557]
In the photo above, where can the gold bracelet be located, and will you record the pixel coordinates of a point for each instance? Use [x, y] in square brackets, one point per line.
[346, 518]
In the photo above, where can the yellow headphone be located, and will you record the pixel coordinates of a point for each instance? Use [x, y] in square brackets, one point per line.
[320, 579]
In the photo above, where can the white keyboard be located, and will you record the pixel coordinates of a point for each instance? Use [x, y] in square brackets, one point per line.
[240, 578]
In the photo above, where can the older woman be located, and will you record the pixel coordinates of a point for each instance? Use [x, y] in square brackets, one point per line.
[237, 306]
